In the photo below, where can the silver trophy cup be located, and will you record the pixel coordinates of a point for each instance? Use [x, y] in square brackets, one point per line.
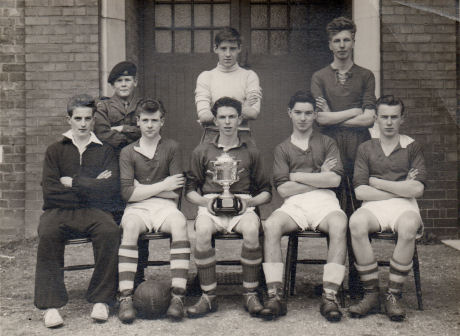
[226, 173]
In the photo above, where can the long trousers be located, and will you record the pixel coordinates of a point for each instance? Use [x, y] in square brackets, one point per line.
[57, 225]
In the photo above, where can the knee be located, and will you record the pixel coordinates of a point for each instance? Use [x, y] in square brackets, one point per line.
[250, 233]
[272, 229]
[132, 227]
[358, 225]
[408, 226]
[203, 235]
[338, 227]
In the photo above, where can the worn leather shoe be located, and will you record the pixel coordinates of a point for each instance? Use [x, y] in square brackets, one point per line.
[369, 304]
[176, 307]
[126, 312]
[52, 318]
[252, 303]
[100, 312]
[393, 307]
[330, 308]
[275, 305]
[206, 304]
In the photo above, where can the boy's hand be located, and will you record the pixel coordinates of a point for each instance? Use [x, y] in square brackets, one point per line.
[209, 205]
[328, 164]
[244, 205]
[322, 104]
[66, 181]
[174, 182]
[104, 175]
[412, 174]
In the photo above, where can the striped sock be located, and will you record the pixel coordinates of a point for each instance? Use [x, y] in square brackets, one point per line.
[369, 275]
[398, 274]
[273, 274]
[127, 266]
[251, 258]
[206, 265]
[332, 277]
[180, 263]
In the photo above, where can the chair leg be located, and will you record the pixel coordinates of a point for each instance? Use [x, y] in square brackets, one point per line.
[418, 286]
[287, 267]
[295, 248]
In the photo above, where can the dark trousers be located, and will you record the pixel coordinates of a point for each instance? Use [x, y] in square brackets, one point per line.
[57, 225]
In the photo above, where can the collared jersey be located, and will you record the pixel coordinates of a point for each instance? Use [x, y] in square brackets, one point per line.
[115, 112]
[371, 161]
[136, 166]
[357, 91]
[288, 158]
[252, 177]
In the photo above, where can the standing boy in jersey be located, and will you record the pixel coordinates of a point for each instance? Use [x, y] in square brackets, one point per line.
[389, 175]
[306, 166]
[253, 189]
[228, 79]
[151, 180]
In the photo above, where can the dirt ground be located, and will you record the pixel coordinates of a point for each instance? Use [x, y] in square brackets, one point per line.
[440, 271]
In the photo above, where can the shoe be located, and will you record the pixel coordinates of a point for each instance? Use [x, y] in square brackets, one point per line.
[275, 305]
[330, 308]
[176, 307]
[206, 304]
[126, 312]
[369, 304]
[252, 303]
[52, 318]
[393, 307]
[100, 312]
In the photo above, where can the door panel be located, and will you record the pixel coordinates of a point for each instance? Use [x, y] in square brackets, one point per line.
[284, 42]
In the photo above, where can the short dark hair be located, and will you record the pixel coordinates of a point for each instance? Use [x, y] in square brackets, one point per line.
[227, 34]
[302, 97]
[150, 106]
[389, 100]
[226, 101]
[81, 100]
[339, 24]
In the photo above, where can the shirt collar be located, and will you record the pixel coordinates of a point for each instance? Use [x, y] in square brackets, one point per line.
[215, 142]
[137, 147]
[404, 140]
[92, 138]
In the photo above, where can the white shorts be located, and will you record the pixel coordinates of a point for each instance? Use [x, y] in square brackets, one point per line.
[225, 223]
[310, 208]
[388, 211]
[153, 211]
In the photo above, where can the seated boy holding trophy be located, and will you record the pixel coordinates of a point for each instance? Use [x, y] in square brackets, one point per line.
[231, 164]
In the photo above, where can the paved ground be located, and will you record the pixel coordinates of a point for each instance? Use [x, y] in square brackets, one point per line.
[440, 269]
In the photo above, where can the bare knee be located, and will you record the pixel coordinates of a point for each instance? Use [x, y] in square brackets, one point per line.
[359, 225]
[272, 229]
[132, 226]
[178, 225]
[408, 225]
[250, 231]
[204, 232]
[337, 226]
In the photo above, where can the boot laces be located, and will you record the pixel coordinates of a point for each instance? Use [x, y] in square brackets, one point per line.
[393, 298]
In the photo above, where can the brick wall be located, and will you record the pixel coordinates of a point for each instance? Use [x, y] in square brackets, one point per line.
[419, 64]
[12, 120]
[62, 59]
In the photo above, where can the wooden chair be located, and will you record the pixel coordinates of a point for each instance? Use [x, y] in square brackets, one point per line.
[292, 261]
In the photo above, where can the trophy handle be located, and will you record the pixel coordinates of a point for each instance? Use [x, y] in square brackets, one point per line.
[237, 204]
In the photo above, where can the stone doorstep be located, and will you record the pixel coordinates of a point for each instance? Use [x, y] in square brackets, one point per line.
[454, 243]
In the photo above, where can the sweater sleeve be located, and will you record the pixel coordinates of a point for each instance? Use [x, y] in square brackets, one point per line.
[55, 194]
[203, 93]
[369, 92]
[253, 90]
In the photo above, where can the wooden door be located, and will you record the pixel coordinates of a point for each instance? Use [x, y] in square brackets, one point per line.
[284, 42]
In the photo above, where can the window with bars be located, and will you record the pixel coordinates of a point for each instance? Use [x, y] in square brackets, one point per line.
[189, 26]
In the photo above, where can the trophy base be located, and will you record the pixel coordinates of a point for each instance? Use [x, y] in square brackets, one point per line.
[227, 206]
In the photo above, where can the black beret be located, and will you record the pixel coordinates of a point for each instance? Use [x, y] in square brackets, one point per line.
[124, 68]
